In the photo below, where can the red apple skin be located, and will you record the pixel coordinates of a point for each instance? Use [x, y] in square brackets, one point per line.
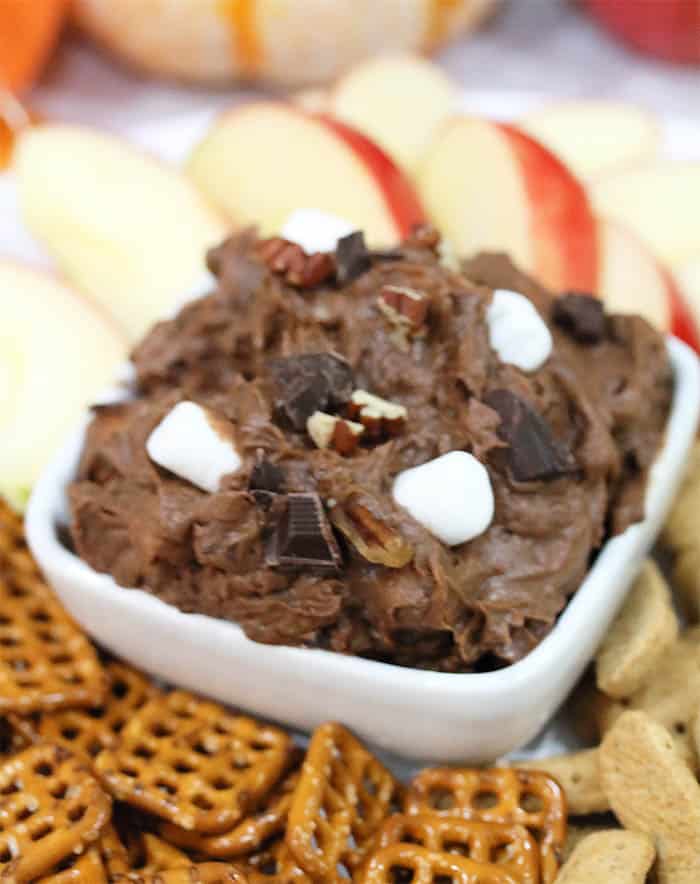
[683, 324]
[669, 29]
[564, 228]
[398, 193]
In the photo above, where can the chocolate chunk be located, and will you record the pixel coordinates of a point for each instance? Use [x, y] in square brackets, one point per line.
[395, 254]
[303, 536]
[308, 383]
[582, 316]
[266, 476]
[533, 453]
[351, 257]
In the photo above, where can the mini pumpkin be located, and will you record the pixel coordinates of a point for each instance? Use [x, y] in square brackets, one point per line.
[28, 32]
[286, 42]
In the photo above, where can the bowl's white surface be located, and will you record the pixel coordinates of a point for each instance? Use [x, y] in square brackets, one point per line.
[421, 715]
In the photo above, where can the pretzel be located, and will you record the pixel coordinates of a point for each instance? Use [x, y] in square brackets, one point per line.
[343, 796]
[429, 867]
[50, 808]
[45, 661]
[14, 554]
[14, 735]
[90, 731]
[192, 763]
[85, 869]
[206, 873]
[144, 853]
[275, 864]
[499, 795]
[511, 846]
[115, 856]
[248, 836]
[160, 856]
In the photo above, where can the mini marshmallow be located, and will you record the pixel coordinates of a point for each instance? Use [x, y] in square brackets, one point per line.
[517, 332]
[187, 442]
[451, 496]
[316, 231]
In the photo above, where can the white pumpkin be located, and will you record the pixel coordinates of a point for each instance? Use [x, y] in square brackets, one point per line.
[288, 42]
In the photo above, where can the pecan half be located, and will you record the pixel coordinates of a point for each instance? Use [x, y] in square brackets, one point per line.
[372, 538]
[290, 261]
[329, 431]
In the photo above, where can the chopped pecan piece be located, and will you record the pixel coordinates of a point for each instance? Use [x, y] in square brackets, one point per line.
[425, 236]
[378, 416]
[404, 306]
[290, 261]
[371, 537]
[329, 431]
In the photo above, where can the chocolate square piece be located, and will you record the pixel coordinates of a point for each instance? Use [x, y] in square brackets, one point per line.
[533, 453]
[582, 316]
[308, 383]
[303, 536]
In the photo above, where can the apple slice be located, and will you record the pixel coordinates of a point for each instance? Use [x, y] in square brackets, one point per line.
[261, 162]
[688, 276]
[659, 202]
[633, 281]
[592, 137]
[124, 228]
[488, 186]
[57, 351]
[667, 28]
[398, 101]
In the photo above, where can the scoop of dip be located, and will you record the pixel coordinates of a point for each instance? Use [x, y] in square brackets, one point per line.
[378, 455]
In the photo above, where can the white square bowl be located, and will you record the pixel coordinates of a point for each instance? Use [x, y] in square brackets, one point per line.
[427, 716]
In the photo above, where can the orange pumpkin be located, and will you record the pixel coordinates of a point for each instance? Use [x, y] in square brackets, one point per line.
[28, 32]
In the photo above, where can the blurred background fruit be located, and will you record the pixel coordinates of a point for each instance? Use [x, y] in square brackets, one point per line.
[57, 351]
[669, 29]
[29, 30]
[288, 43]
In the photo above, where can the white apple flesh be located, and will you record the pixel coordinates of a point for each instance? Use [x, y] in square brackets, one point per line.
[57, 351]
[261, 162]
[659, 202]
[122, 226]
[595, 137]
[398, 101]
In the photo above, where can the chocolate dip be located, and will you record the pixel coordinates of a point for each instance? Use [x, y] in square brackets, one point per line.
[305, 545]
